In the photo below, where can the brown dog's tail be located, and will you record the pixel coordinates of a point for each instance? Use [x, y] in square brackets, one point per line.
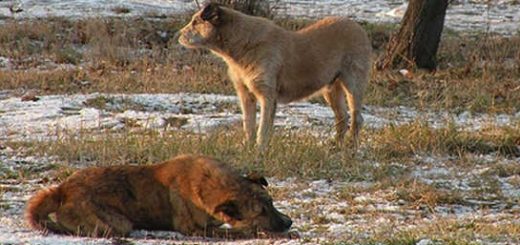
[39, 207]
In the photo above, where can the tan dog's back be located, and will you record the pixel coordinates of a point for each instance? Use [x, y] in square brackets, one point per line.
[320, 56]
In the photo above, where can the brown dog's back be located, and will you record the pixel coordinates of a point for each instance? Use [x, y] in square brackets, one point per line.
[128, 196]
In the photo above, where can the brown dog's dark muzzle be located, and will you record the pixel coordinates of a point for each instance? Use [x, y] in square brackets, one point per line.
[287, 222]
[281, 223]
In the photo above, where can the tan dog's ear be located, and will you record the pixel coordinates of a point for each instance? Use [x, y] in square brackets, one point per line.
[212, 13]
[257, 179]
[229, 211]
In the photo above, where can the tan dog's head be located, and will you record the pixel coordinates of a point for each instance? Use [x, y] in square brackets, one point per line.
[253, 210]
[203, 27]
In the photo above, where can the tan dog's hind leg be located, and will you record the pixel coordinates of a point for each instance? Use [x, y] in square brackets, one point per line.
[354, 81]
[335, 97]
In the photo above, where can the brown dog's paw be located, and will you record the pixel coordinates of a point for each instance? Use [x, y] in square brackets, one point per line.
[293, 234]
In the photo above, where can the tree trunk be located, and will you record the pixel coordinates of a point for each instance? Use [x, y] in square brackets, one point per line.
[417, 40]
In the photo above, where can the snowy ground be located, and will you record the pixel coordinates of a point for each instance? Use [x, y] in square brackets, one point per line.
[51, 115]
[502, 16]
[322, 210]
[326, 210]
[328, 214]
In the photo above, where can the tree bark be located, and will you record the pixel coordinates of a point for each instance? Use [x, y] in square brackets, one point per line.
[417, 41]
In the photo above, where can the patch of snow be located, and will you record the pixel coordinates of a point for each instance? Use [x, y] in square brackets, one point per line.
[498, 16]
[55, 114]
[29, 237]
[362, 185]
[338, 229]
[93, 8]
[336, 217]
[456, 210]
[388, 207]
[425, 242]
[432, 173]
[306, 200]
[362, 199]
[510, 186]
[5, 63]
[397, 12]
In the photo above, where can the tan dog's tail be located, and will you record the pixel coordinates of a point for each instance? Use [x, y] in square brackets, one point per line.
[40, 206]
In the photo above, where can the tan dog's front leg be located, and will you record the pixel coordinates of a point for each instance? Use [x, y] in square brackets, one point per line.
[248, 106]
[267, 113]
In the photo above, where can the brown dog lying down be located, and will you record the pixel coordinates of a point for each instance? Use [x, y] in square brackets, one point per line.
[193, 195]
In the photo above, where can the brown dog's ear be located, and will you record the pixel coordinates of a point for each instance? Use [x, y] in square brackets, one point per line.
[229, 210]
[211, 13]
[257, 179]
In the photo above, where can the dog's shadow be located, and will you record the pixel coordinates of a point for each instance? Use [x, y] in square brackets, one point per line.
[176, 236]
[146, 235]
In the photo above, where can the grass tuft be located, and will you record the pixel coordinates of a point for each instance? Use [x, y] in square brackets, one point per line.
[412, 139]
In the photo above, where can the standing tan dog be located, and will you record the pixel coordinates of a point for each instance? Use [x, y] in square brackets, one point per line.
[189, 194]
[269, 64]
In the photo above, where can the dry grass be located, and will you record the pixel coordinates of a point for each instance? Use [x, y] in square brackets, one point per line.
[113, 55]
[292, 153]
[306, 157]
[475, 73]
[420, 194]
[452, 231]
[141, 55]
[396, 142]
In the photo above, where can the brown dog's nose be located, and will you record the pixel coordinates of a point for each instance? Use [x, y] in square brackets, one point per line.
[285, 223]
[288, 224]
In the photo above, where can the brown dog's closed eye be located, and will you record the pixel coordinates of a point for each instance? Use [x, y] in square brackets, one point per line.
[229, 208]
[257, 179]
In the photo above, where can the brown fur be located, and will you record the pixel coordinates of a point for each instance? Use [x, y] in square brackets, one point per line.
[189, 194]
[271, 65]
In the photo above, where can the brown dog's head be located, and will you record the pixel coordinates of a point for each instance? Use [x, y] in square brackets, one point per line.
[203, 26]
[253, 209]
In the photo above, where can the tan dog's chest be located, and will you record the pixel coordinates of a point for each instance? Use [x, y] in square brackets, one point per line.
[249, 76]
